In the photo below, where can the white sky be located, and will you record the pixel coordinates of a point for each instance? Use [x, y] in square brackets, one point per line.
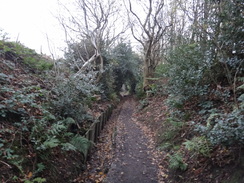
[30, 21]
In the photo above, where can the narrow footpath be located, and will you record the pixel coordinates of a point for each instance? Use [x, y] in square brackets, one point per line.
[133, 160]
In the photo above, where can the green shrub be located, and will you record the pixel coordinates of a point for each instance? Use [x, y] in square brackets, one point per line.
[73, 96]
[25, 96]
[162, 70]
[175, 102]
[107, 84]
[185, 71]
[226, 129]
[34, 131]
[38, 63]
[114, 97]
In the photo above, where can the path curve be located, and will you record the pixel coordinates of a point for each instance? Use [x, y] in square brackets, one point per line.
[133, 163]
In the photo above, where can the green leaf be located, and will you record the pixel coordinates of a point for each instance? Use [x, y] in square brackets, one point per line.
[82, 144]
[50, 143]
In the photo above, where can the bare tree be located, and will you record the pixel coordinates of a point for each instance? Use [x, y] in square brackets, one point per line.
[148, 30]
[94, 21]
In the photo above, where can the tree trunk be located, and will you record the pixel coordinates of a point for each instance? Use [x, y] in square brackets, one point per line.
[146, 74]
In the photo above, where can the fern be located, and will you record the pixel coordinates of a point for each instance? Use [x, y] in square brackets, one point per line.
[40, 168]
[241, 87]
[198, 145]
[176, 162]
[68, 147]
[50, 143]
[165, 146]
[81, 144]
[69, 121]
[57, 128]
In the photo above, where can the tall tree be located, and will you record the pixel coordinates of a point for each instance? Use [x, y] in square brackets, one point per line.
[93, 25]
[148, 30]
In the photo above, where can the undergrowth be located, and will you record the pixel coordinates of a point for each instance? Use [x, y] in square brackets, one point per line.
[40, 124]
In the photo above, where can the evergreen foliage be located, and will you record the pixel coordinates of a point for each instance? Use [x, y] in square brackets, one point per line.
[204, 77]
[125, 68]
[72, 97]
[81, 144]
[198, 145]
[186, 71]
[176, 162]
[36, 120]
[226, 129]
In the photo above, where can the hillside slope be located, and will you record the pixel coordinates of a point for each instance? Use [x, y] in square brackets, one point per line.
[42, 119]
[185, 155]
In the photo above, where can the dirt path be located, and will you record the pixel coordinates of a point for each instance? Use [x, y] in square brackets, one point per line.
[132, 163]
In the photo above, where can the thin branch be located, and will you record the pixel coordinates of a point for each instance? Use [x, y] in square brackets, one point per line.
[9, 166]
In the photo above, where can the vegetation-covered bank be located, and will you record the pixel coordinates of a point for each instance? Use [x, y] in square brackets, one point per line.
[39, 134]
[45, 110]
[186, 155]
[200, 88]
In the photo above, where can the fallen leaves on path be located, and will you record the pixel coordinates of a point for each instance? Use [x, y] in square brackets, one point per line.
[102, 154]
[156, 114]
[104, 151]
